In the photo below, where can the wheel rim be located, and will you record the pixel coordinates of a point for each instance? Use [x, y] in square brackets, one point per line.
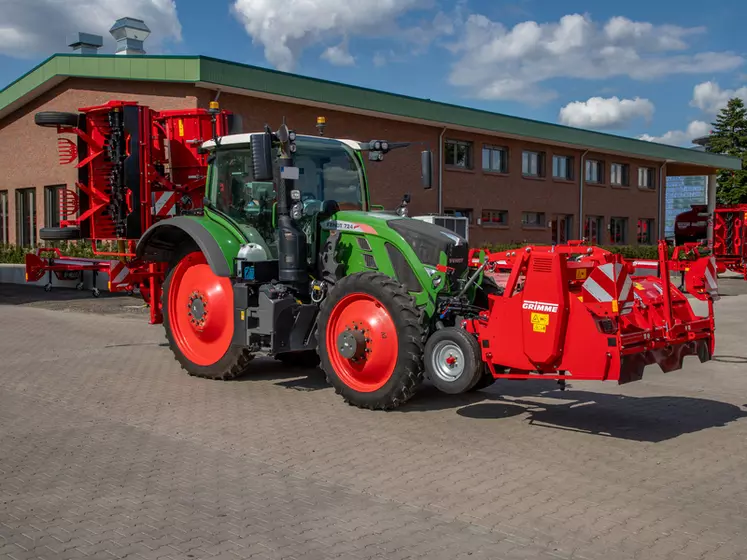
[447, 361]
[369, 359]
[200, 310]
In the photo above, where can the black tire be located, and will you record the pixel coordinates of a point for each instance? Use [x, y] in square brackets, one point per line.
[463, 343]
[485, 381]
[308, 359]
[55, 118]
[59, 233]
[408, 320]
[232, 364]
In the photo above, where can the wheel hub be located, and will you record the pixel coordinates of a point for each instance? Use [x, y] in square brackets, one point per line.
[352, 343]
[197, 305]
[448, 361]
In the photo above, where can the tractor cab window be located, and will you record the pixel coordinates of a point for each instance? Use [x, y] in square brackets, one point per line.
[328, 172]
[235, 193]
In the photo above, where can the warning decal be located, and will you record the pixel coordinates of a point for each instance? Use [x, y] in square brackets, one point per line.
[540, 322]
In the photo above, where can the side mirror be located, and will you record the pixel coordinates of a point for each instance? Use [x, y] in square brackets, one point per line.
[261, 156]
[426, 169]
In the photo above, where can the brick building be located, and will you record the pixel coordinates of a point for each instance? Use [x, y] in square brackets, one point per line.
[516, 179]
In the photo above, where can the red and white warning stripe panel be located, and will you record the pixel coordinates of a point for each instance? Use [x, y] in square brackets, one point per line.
[607, 283]
[164, 204]
[119, 276]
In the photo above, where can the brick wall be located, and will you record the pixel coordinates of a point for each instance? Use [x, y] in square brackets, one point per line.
[28, 156]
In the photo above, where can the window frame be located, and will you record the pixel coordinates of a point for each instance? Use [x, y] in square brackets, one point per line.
[569, 163]
[452, 143]
[22, 204]
[600, 171]
[651, 186]
[52, 196]
[625, 233]
[599, 223]
[492, 150]
[541, 225]
[624, 179]
[4, 217]
[491, 223]
[651, 225]
[540, 164]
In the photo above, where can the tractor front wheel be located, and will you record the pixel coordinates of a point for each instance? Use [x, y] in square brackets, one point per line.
[371, 338]
[198, 318]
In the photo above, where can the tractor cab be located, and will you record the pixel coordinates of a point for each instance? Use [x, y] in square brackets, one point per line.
[328, 176]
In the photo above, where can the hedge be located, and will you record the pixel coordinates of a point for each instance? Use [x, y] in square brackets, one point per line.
[15, 254]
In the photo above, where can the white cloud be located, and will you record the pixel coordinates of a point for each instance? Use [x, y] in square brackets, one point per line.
[709, 96]
[606, 113]
[496, 62]
[34, 27]
[379, 59]
[285, 29]
[339, 55]
[681, 137]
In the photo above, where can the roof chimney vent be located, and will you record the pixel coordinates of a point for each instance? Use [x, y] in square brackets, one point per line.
[85, 43]
[130, 34]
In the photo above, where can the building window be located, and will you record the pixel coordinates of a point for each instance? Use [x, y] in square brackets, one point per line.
[459, 213]
[495, 159]
[562, 167]
[458, 154]
[562, 228]
[646, 231]
[494, 218]
[533, 219]
[619, 174]
[646, 177]
[532, 164]
[26, 217]
[593, 229]
[594, 171]
[4, 227]
[52, 197]
[618, 231]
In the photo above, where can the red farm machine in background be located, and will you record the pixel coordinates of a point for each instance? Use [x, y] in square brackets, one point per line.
[729, 236]
[118, 144]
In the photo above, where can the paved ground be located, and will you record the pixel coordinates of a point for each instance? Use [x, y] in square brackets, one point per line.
[108, 450]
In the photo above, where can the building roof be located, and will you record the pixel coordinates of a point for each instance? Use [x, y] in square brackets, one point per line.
[231, 76]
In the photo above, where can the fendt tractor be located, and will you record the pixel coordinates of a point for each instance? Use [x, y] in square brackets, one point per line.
[283, 256]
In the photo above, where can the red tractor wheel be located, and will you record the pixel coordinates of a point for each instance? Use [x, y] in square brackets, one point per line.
[198, 317]
[371, 340]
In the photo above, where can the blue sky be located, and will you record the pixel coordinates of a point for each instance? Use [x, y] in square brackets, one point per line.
[653, 69]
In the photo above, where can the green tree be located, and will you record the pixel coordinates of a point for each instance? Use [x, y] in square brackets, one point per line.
[729, 137]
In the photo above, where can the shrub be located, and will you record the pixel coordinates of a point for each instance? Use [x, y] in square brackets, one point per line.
[14, 254]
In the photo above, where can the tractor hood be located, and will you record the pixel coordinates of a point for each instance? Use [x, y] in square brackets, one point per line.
[428, 241]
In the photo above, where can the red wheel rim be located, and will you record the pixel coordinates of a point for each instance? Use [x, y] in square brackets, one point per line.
[200, 310]
[379, 349]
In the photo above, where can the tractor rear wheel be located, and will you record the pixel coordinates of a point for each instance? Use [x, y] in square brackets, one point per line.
[198, 318]
[371, 338]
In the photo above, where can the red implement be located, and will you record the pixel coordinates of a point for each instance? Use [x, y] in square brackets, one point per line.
[576, 312]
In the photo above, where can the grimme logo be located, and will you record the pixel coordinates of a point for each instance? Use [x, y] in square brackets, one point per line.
[540, 306]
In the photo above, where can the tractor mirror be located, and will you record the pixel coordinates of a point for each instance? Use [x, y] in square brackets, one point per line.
[426, 169]
[261, 156]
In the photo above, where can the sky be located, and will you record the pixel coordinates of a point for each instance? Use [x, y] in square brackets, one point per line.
[658, 70]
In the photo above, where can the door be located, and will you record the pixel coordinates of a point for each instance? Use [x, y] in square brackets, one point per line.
[562, 228]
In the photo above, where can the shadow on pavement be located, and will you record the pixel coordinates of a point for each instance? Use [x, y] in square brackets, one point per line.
[649, 419]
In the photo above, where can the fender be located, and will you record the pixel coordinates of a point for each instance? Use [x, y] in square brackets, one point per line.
[161, 241]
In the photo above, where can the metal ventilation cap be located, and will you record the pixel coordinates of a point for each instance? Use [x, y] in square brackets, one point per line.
[130, 34]
[85, 43]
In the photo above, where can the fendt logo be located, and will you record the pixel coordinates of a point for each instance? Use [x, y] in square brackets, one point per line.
[540, 306]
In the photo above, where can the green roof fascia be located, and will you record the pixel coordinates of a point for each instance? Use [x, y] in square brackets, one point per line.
[223, 73]
[119, 67]
[193, 69]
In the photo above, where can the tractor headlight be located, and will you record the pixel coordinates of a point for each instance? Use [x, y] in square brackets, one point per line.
[437, 280]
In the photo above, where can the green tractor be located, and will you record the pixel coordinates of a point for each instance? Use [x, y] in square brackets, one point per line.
[287, 259]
